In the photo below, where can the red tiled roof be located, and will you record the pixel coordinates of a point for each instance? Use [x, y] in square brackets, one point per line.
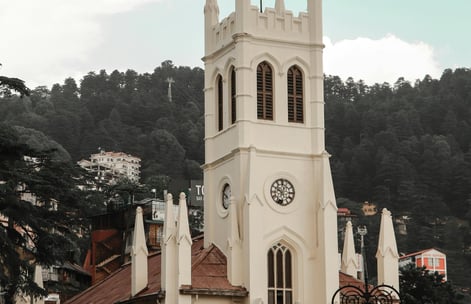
[209, 276]
[345, 279]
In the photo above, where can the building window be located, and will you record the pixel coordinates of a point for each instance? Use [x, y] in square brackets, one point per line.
[219, 102]
[433, 262]
[295, 95]
[264, 91]
[233, 96]
[280, 287]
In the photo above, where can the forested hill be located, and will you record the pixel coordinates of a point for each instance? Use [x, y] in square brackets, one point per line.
[407, 147]
[127, 112]
[404, 146]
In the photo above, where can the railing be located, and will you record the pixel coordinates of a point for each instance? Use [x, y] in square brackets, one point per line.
[381, 294]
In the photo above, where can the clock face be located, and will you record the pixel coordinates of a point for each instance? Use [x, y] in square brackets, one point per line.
[226, 196]
[282, 192]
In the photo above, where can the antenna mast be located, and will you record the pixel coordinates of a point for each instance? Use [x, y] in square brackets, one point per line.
[170, 82]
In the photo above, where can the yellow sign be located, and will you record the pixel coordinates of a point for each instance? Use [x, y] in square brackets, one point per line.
[369, 209]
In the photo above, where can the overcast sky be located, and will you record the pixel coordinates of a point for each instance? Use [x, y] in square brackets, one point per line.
[46, 41]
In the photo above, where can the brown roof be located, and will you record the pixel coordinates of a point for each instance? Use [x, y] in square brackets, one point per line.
[348, 280]
[209, 276]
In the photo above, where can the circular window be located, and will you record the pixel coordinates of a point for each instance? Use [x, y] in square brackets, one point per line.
[226, 196]
[282, 192]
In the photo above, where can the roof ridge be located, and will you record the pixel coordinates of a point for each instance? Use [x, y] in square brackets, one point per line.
[201, 257]
[420, 252]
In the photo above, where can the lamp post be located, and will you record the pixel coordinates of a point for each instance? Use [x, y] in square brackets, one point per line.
[155, 192]
[362, 231]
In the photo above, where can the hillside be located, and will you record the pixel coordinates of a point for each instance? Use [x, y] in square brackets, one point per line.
[402, 146]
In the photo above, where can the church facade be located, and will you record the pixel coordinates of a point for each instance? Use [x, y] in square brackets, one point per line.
[270, 233]
[269, 199]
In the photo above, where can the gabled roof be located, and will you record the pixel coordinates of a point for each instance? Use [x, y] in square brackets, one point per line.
[420, 253]
[209, 276]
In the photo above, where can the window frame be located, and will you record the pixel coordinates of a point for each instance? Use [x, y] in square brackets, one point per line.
[219, 103]
[265, 91]
[233, 96]
[295, 94]
[280, 290]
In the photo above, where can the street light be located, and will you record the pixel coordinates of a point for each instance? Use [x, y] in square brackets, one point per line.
[155, 192]
[362, 231]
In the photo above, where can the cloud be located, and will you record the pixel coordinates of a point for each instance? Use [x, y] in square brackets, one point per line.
[378, 61]
[47, 40]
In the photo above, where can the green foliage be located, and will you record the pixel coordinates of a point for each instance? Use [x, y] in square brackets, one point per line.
[125, 191]
[157, 184]
[8, 84]
[420, 286]
[407, 148]
[122, 111]
[40, 207]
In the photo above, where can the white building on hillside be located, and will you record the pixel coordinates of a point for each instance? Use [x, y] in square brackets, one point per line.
[111, 166]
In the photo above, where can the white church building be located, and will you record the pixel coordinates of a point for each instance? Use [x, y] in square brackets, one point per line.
[270, 233]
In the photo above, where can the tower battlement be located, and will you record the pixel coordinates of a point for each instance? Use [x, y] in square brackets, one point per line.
[269, 24]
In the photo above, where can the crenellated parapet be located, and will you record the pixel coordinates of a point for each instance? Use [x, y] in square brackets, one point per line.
[271, 24]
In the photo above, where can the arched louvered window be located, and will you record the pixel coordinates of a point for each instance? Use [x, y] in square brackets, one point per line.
[233, 96]
[219, 98]
[280, 283]
[264, 91]
[295, 95]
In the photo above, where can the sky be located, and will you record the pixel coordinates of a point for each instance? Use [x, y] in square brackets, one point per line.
[46, 41]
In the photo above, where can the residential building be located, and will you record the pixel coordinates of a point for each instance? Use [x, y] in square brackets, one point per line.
[64, 281]
[432, 259]
[112, 235]
[109, 167]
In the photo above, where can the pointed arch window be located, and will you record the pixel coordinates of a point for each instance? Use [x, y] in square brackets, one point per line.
[219, 98]
[295, 95]
[233, 96]
[280, 283]
[264, 91]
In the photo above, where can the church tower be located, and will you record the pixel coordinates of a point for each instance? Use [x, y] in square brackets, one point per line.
[269, 199]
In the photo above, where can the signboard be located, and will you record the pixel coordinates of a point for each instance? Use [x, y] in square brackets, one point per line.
[197, 193]
[158, 211]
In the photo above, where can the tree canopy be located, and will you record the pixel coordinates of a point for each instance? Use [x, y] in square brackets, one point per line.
[421, 286]
[8, 84]
[39, 211]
